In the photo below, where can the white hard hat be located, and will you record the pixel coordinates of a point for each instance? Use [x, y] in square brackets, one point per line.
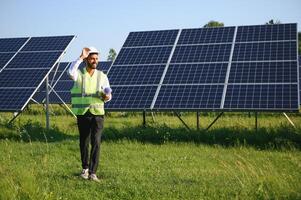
[93, 50]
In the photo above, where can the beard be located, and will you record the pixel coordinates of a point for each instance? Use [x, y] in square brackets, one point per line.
[92, 65]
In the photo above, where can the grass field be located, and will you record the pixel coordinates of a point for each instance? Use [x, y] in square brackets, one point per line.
[161, 161]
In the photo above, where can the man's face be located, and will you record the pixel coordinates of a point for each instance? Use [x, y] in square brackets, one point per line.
[92, 61]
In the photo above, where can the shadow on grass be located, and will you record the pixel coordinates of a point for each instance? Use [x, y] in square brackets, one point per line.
[33, 131]
[283, 137]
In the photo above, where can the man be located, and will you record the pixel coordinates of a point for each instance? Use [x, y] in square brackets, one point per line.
[88, 95]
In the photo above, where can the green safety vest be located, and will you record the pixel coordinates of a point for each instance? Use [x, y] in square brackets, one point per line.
[85, 93]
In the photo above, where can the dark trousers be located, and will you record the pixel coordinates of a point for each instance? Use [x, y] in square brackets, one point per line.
[90, 128]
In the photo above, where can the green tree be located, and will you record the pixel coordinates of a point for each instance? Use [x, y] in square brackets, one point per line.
[112, 55]
[213, 24]
[273, 22]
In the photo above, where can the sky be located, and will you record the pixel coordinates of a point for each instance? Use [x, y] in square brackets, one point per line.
[106, 24]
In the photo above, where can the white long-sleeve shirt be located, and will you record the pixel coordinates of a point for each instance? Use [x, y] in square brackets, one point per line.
[73, 73]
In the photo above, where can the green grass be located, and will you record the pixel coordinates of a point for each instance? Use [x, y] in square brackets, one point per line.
[161, 161]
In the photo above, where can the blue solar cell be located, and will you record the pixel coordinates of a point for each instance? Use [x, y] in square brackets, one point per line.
[151, 38]
[54, 43]
[22, 78]
[104, 65]
[135, 75]
[57, 71]
[65, 96]
[14, 99]
[4, 58]
[263, 97]
[53, 98]
[266, 32]
[265, 51]
[201, 53]
[263, 72]
[131, 97]
[61, 66]
[62, 77]
[64, 85]
[196, 73]
[11, 44]
[34, 60]
[151, 55]
[189, 97]
[207, 35]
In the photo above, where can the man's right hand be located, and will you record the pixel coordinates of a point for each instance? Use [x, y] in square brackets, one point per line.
[85, 53]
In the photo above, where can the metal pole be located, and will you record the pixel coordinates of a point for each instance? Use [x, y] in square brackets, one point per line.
[214, 120]
[197, 121]
[178, 115]
[256, 122]
[289, 120]
[144, 118]
[47, 104]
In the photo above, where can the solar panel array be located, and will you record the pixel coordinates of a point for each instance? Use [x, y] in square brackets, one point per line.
[24, 64]
[61, 83]
[223, 68]
[138, 68]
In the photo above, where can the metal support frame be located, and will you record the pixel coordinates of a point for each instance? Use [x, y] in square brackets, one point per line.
[16, 114]
[47, 104]
[289, 120]
[66, 107]
[214, 120]
[177, 114]
[144, 118]
[197, 121]
[153, 117]
[256, 124]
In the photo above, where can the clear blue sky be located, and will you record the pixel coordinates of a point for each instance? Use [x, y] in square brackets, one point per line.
[106, 24]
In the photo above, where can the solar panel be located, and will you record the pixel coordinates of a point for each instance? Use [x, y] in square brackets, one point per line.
[223, 68]
[54, 43]
[11, 44]
[189, 97]
[263, 74]
[24, 60]
[104, 66]
[206, 35]
[20, 78]
[151, 38]
[4, 58]
[138, 68]
[143, 55]
[135, 74]
[201, 53]
[26, 67]
[131, 97]
[262, 97]
[12, 99]
[196, 73]
[265, 51]
[274, 32]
